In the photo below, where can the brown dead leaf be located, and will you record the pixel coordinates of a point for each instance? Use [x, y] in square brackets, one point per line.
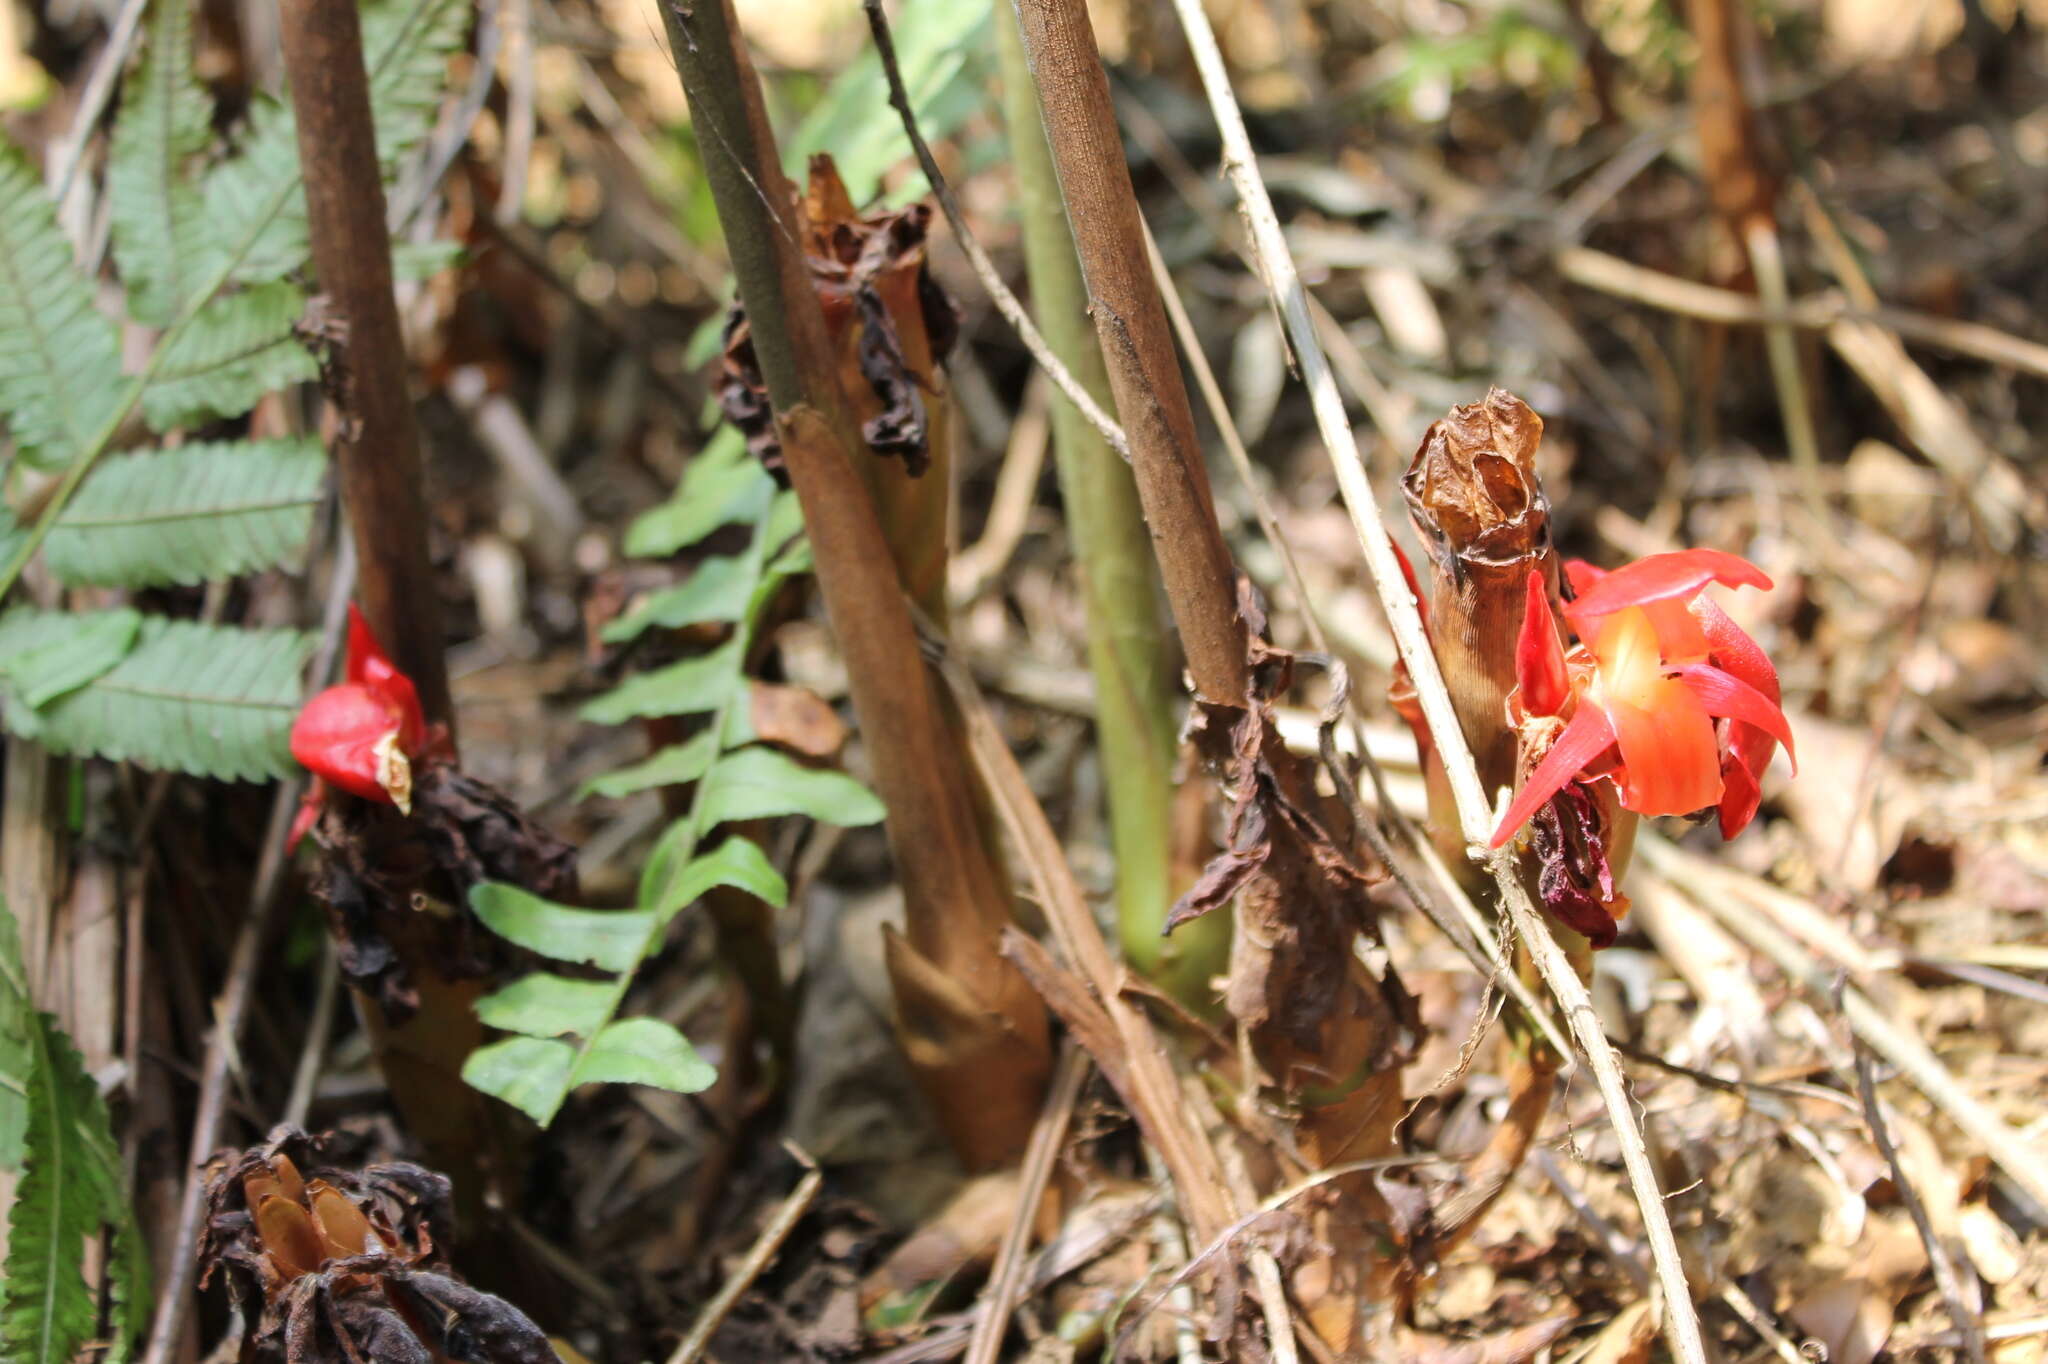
[795, 718]
[889, 322]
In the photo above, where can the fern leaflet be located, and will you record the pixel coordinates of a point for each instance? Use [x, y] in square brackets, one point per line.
[189, 515]
[71, 1187]
[205, 699]
[158, 218]
[406, 46]
[736, 778]
[239, 347]
[60, 367]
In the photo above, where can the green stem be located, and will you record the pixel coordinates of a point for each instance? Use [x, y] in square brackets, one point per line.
[1128, 649]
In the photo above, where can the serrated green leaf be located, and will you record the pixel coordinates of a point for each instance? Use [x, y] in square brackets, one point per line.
[716, 591]
[240, 347]
[210, 700]
[60, 366]
[530, 1073]
[406, 47]
[674, 765]
[690, 687]
[763, 783]
[547, 1005]
[96, 641]
[71, 1188]
[723, 484]
[612, 939]
[737, 862]
[159, 221]
[643, 1051]
[189, 515]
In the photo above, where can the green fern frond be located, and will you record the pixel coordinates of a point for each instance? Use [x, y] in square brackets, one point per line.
[238, 348]
[71, 1187]
[159, 221]
[406, 46]
[60, 367]
[189, 515]
[205, 699]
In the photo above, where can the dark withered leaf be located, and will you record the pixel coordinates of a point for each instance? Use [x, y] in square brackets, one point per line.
[393, 1303]
[387, 878]
[375, 1334]
[874, 288]
[1575, 880]
[743, 395]
[463, 1323]
[899, 428]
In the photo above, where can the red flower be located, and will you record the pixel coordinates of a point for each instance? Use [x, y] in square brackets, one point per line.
[1665, 696]
[363, 733]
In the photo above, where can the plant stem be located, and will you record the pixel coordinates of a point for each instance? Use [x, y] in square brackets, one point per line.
[376, 451]
[1405, 619]
[1131, 326]
[974, 1031]
[1127, 651]
[376, 446]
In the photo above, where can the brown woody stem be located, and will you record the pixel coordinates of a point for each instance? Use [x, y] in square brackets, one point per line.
[1137, 343]
[972, 1027]
[377, 452]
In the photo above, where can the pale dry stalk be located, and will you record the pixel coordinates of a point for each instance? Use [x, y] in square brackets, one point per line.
[1475, 814]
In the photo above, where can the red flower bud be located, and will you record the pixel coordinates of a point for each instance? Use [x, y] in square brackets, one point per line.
[362, 734]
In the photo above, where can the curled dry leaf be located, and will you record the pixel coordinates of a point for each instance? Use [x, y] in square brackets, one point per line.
[889, 322]
[795, 718]
[343, 1264]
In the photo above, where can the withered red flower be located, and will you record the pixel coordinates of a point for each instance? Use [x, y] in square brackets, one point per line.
[345, 1264]
[1665, 697]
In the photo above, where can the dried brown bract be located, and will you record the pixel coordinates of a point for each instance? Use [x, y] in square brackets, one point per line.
[1484, 521]
[390, 883]
[335, 1264]
[888, 320]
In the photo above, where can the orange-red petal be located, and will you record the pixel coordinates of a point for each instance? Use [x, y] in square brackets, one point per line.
[370, 666]
[1540, 673]
[1724, 694]
[1672, 766]
[1679, 574]
[1578, 744]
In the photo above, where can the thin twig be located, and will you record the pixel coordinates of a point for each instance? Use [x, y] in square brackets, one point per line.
[1474, 810]
[1273, 1204]
[984, 268]
[1938, 1260]
[1673, 294]
[765, 1246]
[1760, 1322]
[992, 1320]
[1781, 349]
[313, 1055]
[174, 1302]
[62, 176]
